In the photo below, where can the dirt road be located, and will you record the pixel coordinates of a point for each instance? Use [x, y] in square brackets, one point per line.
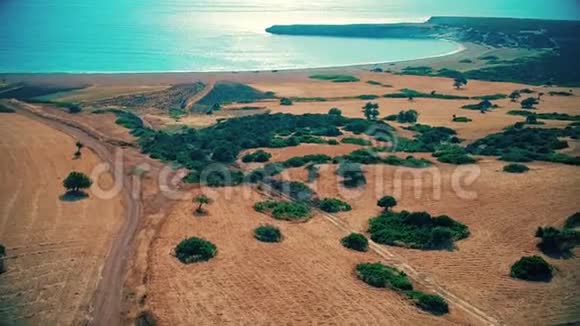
[107, 301]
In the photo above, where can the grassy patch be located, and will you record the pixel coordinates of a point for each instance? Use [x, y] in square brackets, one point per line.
[410, 93]
[230, 92]
[336, 78]
[417, 230]
[546, 116]
[283, 210]
[492, 97]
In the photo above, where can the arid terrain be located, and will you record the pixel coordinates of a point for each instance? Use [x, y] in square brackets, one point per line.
[55, 248]
[309, 277]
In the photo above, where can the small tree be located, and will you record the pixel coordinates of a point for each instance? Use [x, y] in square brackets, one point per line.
[371, 111]
[79, 146]
[201, 200]
[514, 96]
[75, 182]
[355, 241]
[540, 94]
[459, 81]
[335, 111]
[387, 202]
[485, 105]
[529, 103]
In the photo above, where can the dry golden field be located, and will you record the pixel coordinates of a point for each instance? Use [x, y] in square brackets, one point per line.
[55, 249]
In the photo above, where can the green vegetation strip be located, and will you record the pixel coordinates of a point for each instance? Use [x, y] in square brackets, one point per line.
[336, 78]
[382, 276]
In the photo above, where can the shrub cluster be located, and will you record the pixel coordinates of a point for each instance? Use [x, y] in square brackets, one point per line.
[527, 144]
[298, 161]
[283, 210]
[557, 242]
[355, 241]
[409, 116]
[356, 141]
[333, 205]
[573, 221]
[364, 156]
[195, 249]
[257, 156]
[532, 268]
[268, 233]
[352, 174]
[293, 189]
[427, 138]
[382, 276]
[515, 168]
[411, 93]
[417, 230]
[336, 78]
[461, 119]
[546, 116]
[453, 154]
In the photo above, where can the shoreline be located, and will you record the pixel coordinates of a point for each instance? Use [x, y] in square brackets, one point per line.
[461, 47]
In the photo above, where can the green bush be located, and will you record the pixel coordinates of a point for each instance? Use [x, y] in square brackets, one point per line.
[532, 268]
[268, 233]
[381, 276]
[410, 93]
[453, 154]
[335, 111]
[298, 161]
[557, 242]
[333, 205]
[573, 221]
[283, 210]
[387, 202]
[461, 119]
[515, 168]
[2, 250]
[432, 303]
[409, 116]
[417, 230]
[194, 250]
[367, 97]
[352, 174]
[356, 141]
[285, 101]
[355, 241]
[336, 78]
[257, 156]
[526, 144]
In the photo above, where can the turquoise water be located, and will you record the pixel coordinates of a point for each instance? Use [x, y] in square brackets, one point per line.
[222, 35]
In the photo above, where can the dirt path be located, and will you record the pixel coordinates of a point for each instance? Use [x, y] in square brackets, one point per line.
[107, 301]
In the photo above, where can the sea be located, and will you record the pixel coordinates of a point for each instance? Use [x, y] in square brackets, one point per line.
[81, 36]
